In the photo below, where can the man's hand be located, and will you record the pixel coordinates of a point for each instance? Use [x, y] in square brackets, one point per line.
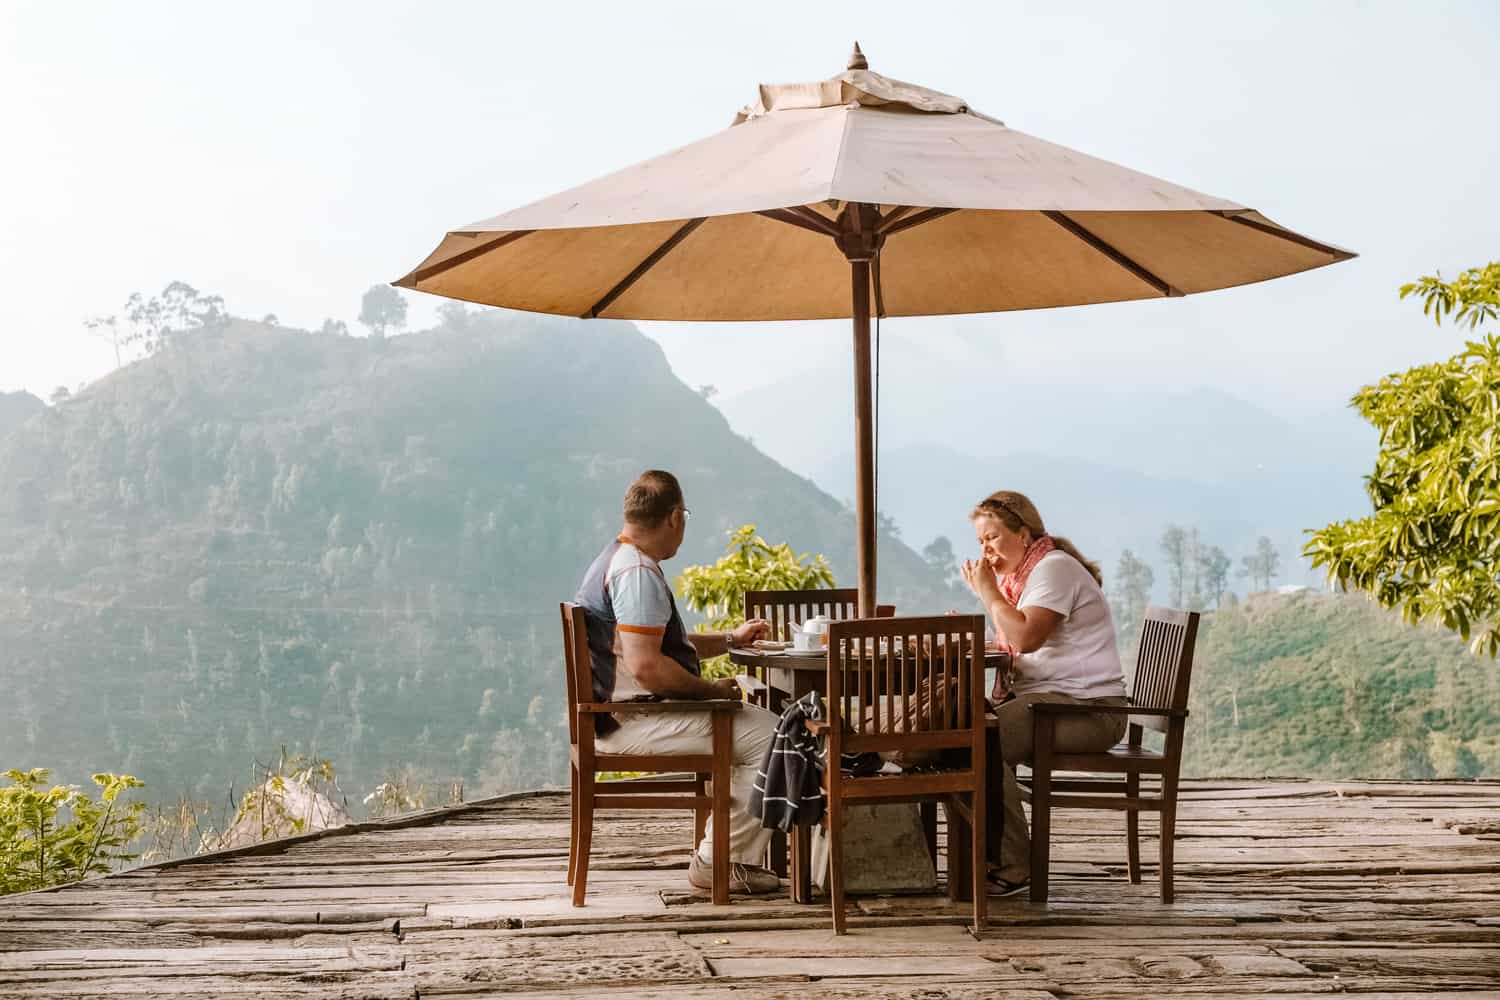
[726, 687]
[753, 629]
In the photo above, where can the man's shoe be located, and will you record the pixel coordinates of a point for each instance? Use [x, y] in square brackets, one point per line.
[1004, 887]
[744, 880]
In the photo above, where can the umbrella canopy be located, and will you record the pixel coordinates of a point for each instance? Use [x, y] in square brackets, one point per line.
[855, 195]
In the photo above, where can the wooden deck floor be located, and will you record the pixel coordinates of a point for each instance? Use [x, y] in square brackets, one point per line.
[1284, 890]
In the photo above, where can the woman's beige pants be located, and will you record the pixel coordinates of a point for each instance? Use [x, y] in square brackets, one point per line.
[1010, 852]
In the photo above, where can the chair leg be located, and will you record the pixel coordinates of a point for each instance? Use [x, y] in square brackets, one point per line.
[836, 864]
[777, 853]
[960, 846]
[979, 847]
[794, 865]
[928, 812]
[1041, 808]
[572, 822]
[1133, 829]
[1168, 833]
[800, 867]
[585, 833]
[723, 743]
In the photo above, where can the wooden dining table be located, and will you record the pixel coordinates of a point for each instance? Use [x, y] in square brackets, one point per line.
[788, 675]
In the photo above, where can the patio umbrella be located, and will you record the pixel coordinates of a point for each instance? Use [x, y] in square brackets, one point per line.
[852, 196]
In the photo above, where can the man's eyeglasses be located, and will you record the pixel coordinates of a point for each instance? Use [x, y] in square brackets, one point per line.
[687, 515]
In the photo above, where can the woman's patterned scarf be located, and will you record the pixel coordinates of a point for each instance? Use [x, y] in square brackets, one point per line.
[1011, 585]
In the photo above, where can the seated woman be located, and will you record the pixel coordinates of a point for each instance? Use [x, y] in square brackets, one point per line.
[1051, 615]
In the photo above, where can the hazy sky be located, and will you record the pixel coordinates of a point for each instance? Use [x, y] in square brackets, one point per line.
[288, 155]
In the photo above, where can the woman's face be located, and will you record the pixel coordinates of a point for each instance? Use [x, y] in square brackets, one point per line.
[1003, 549]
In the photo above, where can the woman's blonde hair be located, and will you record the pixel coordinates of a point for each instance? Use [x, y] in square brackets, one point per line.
[1016, 511]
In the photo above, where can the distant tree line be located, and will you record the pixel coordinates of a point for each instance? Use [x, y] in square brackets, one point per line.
[1197, 574]
[149, 325]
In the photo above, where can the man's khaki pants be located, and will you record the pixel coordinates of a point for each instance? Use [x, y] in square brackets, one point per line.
[1011, 851]
[692, 732]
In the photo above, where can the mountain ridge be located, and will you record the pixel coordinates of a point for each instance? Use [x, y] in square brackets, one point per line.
[353, 547]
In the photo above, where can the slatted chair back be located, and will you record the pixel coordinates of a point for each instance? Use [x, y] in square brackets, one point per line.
[906, 684]
[783, 607]
[1163, 664]
[580, 666]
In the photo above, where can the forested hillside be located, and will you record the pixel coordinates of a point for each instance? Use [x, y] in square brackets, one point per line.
[16, 408]
[353, 547]
[1318, 685]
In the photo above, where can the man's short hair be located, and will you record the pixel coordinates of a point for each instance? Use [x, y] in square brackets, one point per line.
[652, 498]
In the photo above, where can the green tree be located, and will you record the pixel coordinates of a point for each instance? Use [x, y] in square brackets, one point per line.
[382, 308]
[1174, 545]
[1262, 565]
[454, 315]
[942, 560]
[1432, 545]
[1192, 570]
[38, 848]
[1130, 594]
[749, 563]
[152, 324]
[1213, 569]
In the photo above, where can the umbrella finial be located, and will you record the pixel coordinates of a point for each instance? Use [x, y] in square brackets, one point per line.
[857, 59]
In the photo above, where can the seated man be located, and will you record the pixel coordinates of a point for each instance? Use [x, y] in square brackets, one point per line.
[633, 622]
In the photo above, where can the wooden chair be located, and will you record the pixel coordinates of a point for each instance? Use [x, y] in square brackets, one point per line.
[930, 674]
[589, 794]
[783, 607]
[1163, 668]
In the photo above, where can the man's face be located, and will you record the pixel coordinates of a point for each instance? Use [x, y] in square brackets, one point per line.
[678, 520]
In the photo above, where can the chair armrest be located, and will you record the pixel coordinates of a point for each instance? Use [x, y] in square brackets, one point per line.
[653, 707]
[1063, 708]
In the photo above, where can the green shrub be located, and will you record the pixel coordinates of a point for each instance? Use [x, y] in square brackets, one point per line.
[50, 836]
[749, 563]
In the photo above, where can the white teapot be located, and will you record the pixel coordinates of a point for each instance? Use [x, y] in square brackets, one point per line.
[811, 634]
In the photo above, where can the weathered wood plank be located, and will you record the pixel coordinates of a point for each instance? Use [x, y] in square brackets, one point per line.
[1285, 889]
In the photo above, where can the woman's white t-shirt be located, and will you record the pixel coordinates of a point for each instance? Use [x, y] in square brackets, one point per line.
[1079, 658]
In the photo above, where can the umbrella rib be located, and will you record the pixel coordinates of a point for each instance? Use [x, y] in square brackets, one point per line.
[423, 273]
[640, 269]
[817, 218]
[911, 221]
[1285, 234]
[890, 217]
[1119, 258]
[879, 293]
[792, 218]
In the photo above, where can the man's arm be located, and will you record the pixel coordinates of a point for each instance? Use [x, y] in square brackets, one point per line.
[663, 676]
[717, 643]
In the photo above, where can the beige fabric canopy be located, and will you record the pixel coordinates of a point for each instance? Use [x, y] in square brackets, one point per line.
[1037, 225]
[823, 196]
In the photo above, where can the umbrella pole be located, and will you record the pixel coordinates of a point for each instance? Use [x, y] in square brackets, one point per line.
[864, 449]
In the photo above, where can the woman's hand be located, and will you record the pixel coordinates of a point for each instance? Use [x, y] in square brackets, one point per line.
[980, 579]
